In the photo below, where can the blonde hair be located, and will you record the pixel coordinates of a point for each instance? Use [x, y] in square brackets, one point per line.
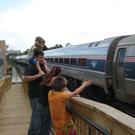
[40, 43]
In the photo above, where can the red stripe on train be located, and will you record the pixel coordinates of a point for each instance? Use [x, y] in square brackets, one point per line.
[130, 59]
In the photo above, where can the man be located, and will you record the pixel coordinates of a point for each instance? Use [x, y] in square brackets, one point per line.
[34, 78]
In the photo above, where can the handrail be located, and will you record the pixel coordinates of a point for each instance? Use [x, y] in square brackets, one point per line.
[5, 83]
[90, 122]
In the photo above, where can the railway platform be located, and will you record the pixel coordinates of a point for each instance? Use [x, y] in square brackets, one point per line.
[91, 118]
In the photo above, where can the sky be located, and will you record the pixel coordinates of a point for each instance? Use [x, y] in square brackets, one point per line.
[64, 21]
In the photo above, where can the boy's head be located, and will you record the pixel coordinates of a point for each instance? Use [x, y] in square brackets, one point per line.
[39, 55]
[59, 83]
[40, 43]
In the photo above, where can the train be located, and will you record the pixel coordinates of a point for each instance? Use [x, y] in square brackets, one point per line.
[109, 63]
[22, 58]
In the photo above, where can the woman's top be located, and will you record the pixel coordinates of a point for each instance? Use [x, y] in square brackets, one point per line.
[43, 97]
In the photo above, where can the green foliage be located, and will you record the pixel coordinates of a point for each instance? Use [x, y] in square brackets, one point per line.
[56, 46]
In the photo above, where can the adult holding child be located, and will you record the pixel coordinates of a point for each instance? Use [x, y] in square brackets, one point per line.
[34, 76]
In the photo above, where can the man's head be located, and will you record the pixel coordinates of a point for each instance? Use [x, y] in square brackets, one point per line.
[40, 43]
[39, 55]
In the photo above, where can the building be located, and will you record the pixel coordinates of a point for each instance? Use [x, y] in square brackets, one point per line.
[3, 55]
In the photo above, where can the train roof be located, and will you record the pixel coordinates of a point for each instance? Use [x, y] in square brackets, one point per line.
[22, 56]
[127, 40]
[91, 48]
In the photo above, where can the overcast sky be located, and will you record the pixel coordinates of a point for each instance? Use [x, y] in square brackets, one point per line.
[64, 21]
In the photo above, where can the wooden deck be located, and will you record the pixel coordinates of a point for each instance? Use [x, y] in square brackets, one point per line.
[15, 112]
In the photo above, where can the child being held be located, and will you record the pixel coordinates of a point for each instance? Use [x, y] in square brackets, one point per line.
[58, 97]
[38, 46]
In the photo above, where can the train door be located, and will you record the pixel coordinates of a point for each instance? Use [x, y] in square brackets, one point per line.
[119, 70]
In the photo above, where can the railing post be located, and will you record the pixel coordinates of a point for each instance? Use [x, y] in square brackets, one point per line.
[5, 83]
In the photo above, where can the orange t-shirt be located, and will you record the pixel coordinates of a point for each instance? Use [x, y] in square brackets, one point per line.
[60, 117]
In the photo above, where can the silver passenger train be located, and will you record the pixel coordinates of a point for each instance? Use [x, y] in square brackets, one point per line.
[109, 63]
[22, 58]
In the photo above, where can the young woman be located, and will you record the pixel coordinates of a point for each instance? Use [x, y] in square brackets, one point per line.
[44, 120]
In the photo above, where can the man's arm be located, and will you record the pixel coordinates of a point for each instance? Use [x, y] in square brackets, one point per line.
[32, 77]
[28, 74]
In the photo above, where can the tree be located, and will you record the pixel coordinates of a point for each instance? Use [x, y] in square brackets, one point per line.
[56, 46]
[25, 52]
[67, 44]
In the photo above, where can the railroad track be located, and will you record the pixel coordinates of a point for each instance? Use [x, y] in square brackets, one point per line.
[126, 108]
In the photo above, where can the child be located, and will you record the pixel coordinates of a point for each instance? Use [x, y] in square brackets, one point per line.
[38, 46]
[58, 96]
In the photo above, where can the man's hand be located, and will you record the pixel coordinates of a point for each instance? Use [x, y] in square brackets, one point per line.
[33, 77]
[41, 73]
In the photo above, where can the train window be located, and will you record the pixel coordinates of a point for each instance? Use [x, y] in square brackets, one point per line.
[66, 61]
[90, 45]
[131, 51]
[1, 61]
[60, 60]
[82, 62]
[73, 61]
[121, 57]
[48, 59]
[51, 59]
[56, 60]
[97, 43]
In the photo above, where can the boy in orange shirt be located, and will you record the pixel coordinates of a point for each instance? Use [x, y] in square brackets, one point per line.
[58, 97]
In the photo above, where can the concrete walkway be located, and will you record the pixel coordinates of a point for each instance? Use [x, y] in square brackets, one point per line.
[15, 77]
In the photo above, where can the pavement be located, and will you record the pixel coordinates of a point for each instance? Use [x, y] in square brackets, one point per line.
[15, 77]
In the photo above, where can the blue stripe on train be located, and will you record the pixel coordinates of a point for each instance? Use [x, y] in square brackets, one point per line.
[130, 70]
[96, 65]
